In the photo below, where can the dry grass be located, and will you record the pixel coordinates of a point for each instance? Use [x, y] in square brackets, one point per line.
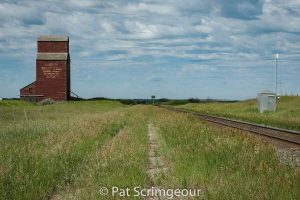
[120, 162]
[226, 163]
[287, 114]
[71, 150]
[44, 153]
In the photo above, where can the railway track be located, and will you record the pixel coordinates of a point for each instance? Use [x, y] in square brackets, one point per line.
[289, 136]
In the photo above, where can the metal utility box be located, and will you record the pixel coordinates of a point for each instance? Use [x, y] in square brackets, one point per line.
[266, 101]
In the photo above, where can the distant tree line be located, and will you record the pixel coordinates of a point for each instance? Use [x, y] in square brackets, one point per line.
[164, 101]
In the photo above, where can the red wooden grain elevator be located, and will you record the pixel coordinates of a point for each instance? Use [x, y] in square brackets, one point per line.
[52, 70]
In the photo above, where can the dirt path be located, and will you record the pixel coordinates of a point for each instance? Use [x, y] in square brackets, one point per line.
[157, 165]
[158, 168]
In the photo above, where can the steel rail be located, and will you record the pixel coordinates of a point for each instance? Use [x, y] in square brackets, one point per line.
[290, 136]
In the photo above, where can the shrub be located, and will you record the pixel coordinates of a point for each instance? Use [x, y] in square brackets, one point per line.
[47, 101]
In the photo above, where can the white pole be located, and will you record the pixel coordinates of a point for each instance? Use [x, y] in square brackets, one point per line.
[276, 60]
[14, 113]
[25, 114]
[280, 93]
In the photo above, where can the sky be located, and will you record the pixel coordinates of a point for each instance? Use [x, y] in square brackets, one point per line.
[172, 48]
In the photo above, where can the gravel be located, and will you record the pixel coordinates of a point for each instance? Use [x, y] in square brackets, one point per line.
[290, 156]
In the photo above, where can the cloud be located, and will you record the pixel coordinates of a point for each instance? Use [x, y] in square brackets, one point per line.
[157, 8]
[22, 15]
[175, 38]
[242, 9]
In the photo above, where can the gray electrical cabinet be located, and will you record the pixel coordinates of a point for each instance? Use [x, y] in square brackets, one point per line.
[266, 101]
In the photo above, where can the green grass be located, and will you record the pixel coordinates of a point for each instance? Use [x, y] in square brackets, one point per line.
[121, 162]
[225, 163]
[70, 150]
[45, 151]
[286, 116]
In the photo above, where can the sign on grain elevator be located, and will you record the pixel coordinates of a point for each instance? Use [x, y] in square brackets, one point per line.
[52, 70]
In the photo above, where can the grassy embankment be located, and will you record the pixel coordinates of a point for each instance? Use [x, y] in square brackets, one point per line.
[54, 145]
[286, 116]
[121, 162]
[225, 163]
[71, 150]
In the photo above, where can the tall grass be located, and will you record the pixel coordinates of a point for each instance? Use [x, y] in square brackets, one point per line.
[121, 162]
[225, 163]
[287, 114]
[40, 154]
[70, 150]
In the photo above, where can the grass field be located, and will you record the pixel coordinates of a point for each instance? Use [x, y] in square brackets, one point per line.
[227, 164]
[286, 116]
[70, 150]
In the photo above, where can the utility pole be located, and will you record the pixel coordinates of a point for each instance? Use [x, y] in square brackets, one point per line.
[153, 99]
[280, 84]
[276, 62]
